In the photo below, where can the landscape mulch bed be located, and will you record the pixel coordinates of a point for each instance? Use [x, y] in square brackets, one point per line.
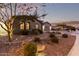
[52, 49]
[62, 48]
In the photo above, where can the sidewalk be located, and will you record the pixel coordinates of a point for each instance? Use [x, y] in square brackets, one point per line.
[75, 50]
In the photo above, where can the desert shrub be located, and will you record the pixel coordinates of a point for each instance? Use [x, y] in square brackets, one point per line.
[33, 31]
[53, 38]
[52, 35]
[40, 31]
[78, 29]
[24, 32]
[37, 40]
[30, 49]
[58, 32]
[64, 35]
[53, 32]
[73, 29]
[36, 31]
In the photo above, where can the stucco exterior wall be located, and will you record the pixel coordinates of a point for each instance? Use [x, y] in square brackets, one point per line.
[16, 24]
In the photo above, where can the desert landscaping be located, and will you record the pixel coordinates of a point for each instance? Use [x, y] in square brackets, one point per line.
[60, 48]
[30, 30]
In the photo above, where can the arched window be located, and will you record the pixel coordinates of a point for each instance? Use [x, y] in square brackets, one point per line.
[36, 26]
[43, 27]
[28, 26]
[22, 26]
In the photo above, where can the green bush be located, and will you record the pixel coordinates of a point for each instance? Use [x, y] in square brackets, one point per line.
[53, 38]
[30, 49]
[64, 35]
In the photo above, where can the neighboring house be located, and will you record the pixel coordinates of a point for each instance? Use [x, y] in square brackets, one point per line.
[23, 22]
[47, 27]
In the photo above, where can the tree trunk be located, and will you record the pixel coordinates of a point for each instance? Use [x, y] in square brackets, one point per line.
[24, 26]
[10, 36]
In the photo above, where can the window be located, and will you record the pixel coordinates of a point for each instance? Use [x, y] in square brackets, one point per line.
[22, 25]
[36, 26]
[43, 27]
[27, 26]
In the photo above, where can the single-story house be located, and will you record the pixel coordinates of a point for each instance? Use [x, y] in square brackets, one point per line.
[25, 22]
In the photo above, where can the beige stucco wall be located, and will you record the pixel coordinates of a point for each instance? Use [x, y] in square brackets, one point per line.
[33, 24]
[46, 27]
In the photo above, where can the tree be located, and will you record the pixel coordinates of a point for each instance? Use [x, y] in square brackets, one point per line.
[7, 10]
[4, 17]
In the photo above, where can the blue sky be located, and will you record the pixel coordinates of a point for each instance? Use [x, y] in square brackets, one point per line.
[59, 12]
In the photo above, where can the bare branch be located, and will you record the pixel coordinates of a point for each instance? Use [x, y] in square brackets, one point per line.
[15, 8]
[4, 14]
[3, 27]
[11, 9]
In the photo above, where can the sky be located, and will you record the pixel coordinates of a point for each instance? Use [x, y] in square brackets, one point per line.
[59, 12]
